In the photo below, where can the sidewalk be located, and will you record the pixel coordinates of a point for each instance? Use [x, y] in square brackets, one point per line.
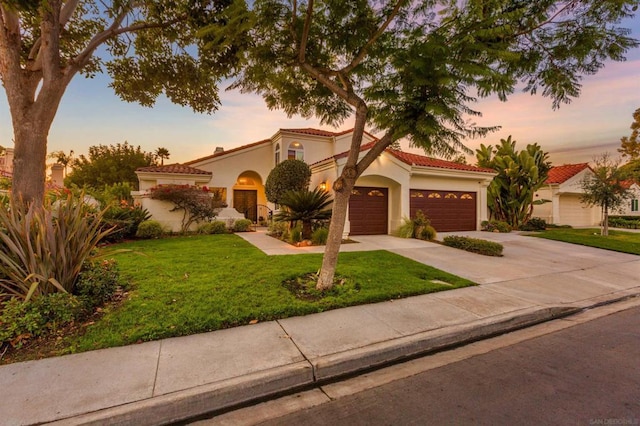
[173, 379]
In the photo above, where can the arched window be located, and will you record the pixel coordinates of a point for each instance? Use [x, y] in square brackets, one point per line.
[277, 157]
[295, 151]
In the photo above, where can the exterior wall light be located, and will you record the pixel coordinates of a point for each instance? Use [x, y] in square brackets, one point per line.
[323, 186]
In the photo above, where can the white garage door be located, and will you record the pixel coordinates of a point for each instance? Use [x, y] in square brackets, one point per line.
[575, 213]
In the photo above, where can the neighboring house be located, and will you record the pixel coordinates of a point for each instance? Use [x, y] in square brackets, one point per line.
[631, 207]
[395, 186]
[6, 163]
[561, 197]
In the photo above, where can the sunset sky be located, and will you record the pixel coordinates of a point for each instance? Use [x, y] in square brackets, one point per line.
[90, 114]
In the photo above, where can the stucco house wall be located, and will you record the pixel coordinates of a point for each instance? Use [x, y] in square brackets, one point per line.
[246, 169]
[563, 189]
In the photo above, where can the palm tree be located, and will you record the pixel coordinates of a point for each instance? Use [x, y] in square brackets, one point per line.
[305, 206]
[62, 158]
[162, 153]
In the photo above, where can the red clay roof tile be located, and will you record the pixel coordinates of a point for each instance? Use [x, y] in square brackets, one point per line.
[173, 168]
[221, 153]
[421, 160]
[561, 174]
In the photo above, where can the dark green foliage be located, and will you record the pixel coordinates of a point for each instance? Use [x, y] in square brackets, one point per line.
[319, 236]
[46, 247]
[215, 227]
[534, 224]
[628, 222]
[242, 225]
[289, 175]
[495, 226]
[150, 229]
[474, 245]
[21, 320]
[306, 206]
[605, 187]
[109, 165]
[519, 175]
[97, 283]
[428, 233]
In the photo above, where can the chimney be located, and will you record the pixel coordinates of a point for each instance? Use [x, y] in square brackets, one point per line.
[218, 150]
[57, 175]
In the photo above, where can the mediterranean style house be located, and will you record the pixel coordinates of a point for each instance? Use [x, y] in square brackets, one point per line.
[395, 186]
[561, 198]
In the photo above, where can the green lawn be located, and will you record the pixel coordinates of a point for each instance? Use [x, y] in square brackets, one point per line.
[196, 284]
[626, 242]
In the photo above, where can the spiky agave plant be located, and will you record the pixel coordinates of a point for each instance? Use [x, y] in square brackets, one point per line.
[305, 206]
[44, 247]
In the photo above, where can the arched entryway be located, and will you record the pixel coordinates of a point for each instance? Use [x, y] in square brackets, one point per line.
[248, 195]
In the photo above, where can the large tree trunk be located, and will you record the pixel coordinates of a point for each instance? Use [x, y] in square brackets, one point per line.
[342, 190]
[605, 223]
[29, 160]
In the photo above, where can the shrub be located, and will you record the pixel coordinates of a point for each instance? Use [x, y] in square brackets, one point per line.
[296, 235]
[242, 225]
[308, 207]
[624, 222]
[406, 229]
[150, 229]
[289, 175]
[496, 226]
[97, 282]
[417, 227]
[428, 233]
[215, 227]
[474, 245]
[196, 203]
[319, 236]
[534, 224]
[20, 320]
[277, 229]
[45, 247]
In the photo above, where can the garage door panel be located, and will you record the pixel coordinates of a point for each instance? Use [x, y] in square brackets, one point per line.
[368, 210]
[447, 210]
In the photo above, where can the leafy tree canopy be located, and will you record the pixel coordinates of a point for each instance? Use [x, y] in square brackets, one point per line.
[289, 175]
[413, 69]
[605, 187]
[630, 145]
[148, 47]
[519, 175]
[109, 165]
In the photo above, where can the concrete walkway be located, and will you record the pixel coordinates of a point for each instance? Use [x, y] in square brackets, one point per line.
[173, 379]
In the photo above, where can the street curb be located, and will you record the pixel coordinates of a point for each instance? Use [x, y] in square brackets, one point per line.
[190, 403]
[181, 405]
[400, 349]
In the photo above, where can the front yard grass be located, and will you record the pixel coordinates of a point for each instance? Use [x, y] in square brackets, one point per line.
[625, 242]
[195, 284]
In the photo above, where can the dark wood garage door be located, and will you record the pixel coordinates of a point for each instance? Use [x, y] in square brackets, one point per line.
[447, 210]
[368, 210]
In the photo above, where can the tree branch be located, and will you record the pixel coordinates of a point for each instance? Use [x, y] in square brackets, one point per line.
[113, 30]
[363, 51]
[548, 21]
[305, 32]
[375, 151]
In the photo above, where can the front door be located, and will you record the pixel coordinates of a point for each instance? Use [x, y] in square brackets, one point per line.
[246, 202]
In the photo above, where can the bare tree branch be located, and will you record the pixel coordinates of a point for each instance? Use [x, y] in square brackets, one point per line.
[375, 151]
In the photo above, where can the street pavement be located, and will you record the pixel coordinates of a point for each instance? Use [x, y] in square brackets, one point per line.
[174, 379]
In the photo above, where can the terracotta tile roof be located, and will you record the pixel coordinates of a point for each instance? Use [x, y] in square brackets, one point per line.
[326, 133]
[561, 174]
[417, 160]
[423, 161]
[173, 168]
[314, 132]
[6, 174]
[221, 153]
